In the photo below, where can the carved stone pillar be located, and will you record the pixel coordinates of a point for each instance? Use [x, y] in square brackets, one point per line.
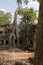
[4, 42]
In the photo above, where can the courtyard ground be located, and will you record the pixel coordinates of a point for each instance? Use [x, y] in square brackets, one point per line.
[7, 55]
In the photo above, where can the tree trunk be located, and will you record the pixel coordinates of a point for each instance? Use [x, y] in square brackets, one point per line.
[39, 38]
[15, 28]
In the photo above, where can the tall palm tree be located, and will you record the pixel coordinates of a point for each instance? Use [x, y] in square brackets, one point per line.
[39, 38]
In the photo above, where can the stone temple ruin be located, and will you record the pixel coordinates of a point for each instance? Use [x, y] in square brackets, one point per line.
[4, 36]
[9, 35]
[9, 39]
[28, 37]
[12, 36]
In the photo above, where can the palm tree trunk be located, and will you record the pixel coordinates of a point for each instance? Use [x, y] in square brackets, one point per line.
[39, 38]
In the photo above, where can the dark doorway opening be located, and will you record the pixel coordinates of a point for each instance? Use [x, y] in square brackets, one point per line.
[6, 42]
[31, 42]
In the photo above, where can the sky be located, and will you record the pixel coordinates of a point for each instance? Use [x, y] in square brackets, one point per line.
[11, 5]
[8, 5]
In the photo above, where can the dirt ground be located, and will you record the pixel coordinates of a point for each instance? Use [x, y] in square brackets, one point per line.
[15, 55]
[11, 57]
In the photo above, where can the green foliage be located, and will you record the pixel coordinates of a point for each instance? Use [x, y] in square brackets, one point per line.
[26, 2]
[19, 1]
[28, 16]
[21, 24]
[5, 18]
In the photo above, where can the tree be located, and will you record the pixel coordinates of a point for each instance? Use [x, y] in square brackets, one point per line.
[21, 24]
[5, 18]
[19, 2]
[39, 38]
[28, 16]
[26, 2]
[14, 26]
